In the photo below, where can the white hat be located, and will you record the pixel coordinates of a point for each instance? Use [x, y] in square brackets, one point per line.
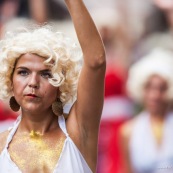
[157, 62]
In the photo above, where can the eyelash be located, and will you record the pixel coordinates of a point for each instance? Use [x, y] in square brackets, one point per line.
[45, 75]
[23, 72]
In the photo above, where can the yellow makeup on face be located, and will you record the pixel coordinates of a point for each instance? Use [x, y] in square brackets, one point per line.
[35, 153]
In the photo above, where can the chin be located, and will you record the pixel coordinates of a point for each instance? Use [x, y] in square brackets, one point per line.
[31, 109]
[157, 110]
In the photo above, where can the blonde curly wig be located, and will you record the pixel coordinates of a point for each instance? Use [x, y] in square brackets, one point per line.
[54, 47]
[157, 62]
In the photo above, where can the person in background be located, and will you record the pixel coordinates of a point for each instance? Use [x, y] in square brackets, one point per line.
[158, 29]
[167, 7]
[146, 140]
[8, 10]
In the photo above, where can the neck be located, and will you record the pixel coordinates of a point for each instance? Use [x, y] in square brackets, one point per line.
[41, 122]
[158, 117]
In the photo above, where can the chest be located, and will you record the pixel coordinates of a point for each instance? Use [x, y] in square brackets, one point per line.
[39, 154]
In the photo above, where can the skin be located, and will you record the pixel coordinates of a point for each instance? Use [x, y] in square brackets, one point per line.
[84, 117]
[8, 10]
[155, 96]
[167, 7]
[164, 4]
[38, 10]
[156, 103]
[31, 77]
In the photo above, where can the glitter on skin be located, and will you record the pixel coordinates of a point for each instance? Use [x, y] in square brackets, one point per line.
[33, 154]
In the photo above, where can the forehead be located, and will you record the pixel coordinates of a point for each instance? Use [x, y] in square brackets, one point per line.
[157, 80]
[32, 61]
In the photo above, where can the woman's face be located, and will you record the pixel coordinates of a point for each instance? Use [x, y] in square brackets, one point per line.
[155, 94]
[30, 84]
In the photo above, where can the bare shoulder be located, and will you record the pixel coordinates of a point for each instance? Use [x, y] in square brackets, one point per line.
[127, 128]
[3, 139]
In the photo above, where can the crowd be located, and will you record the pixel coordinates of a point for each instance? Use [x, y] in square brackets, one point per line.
[137, 119]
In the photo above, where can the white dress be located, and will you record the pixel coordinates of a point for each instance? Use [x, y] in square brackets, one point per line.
[146, 156]
[70, 161]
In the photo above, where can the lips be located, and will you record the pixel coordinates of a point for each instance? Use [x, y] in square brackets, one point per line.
[31, 95]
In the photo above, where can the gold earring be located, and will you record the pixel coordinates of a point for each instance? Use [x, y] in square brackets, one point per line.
[57, 107]
[13, 104]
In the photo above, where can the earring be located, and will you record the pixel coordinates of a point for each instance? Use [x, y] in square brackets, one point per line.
[13, 104]
[57, 107]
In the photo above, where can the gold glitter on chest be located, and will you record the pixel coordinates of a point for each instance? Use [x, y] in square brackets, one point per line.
[36, 153]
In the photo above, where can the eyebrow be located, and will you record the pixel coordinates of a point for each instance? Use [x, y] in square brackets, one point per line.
[25, 68]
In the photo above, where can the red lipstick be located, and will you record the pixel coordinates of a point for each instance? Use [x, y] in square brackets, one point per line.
[31, 95]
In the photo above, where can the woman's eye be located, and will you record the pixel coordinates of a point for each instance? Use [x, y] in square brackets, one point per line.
[46, 75]
[23, 72]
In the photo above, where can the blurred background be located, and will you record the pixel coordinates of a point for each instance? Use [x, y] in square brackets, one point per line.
[137, 120]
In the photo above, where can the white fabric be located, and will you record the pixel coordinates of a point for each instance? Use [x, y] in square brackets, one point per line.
[146, 156]
[158, 62]
[4, 125]
[70, 161]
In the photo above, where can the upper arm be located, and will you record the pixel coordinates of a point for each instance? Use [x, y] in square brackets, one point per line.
[84, 118]
[88, 107]
[86, 112]
[3, 139]
[90, 96]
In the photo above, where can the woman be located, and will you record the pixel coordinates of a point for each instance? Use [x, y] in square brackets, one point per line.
[147, 139]
[40, 73]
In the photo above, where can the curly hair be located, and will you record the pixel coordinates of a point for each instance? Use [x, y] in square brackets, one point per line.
[157, 62]
[61, 54]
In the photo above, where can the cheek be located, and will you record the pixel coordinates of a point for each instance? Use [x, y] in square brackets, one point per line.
[147, 94]
[165, 96]
[51, 92]
[18, 85]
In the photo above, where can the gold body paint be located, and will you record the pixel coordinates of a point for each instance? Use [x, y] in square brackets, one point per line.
[36, 153]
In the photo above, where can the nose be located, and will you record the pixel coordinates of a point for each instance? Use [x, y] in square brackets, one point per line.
[33, 81]
[156, 95]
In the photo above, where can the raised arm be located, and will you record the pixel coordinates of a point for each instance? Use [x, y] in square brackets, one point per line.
[91, 82]
[86, 112]
[88, 36]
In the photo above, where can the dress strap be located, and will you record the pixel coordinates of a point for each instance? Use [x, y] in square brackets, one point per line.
[62, 124]
[12, 132]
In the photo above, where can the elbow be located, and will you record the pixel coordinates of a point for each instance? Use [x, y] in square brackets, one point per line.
[98, 62]
[101, 61]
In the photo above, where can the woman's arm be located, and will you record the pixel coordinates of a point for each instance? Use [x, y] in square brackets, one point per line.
[85, 115]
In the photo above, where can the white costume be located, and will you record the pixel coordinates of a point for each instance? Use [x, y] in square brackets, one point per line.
[70, 161]
[146, 155]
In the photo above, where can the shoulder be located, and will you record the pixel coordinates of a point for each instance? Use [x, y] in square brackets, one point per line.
[127, 128]
[3, 139]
